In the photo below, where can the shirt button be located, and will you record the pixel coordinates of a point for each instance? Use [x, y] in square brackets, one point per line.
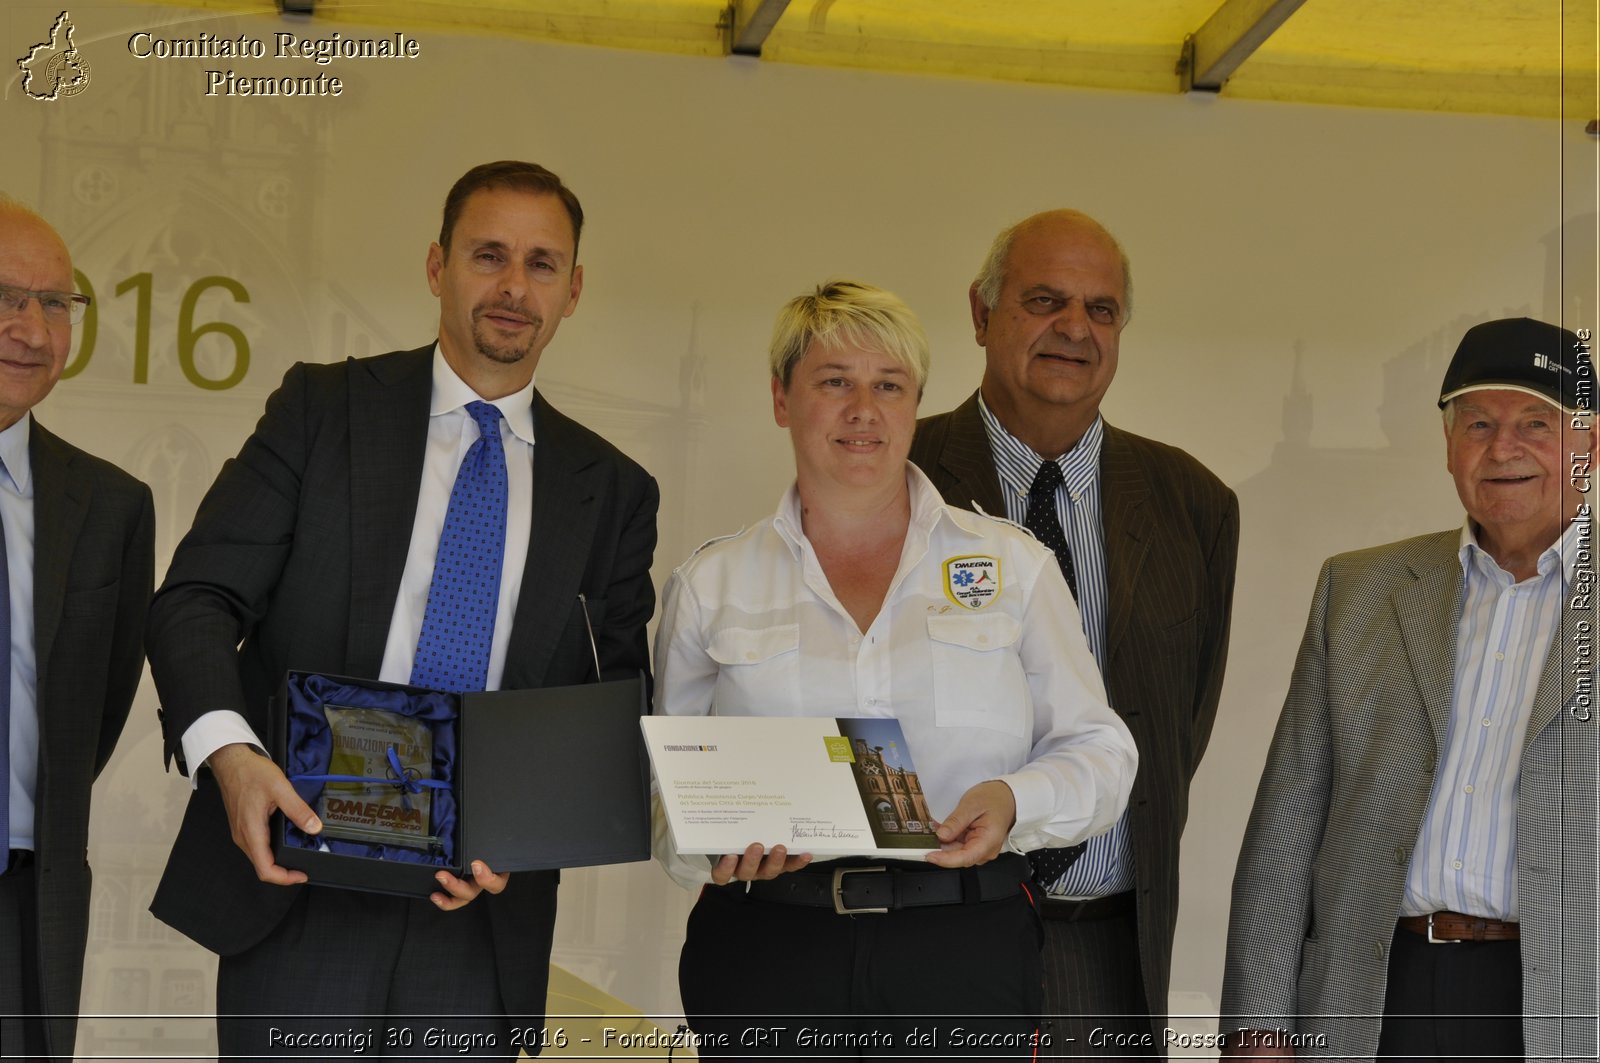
[1456, 864]
[749, 655]
[983, 640]
[1487, 721]
[1499, 656]
[1467, 788]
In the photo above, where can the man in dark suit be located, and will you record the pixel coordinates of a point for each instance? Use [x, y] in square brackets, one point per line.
[1148, 539]
[315, 549]
[77, 564]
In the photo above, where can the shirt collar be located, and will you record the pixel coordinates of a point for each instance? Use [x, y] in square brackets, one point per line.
[14, 453]
[450, 393]
[1017, 463]
[1564, 549]
[927, 509]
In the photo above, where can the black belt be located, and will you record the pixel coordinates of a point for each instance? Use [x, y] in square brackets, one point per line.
[18, 860]
[859, 889]
[1070, 911]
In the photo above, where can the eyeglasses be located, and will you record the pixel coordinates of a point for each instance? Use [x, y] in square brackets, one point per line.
[57, 307]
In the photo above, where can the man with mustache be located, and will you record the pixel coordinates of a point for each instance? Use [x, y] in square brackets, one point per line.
[1418, 876]
[1147, 538]
[315, 550]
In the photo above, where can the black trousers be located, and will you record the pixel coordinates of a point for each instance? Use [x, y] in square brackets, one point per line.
[1453, 1001]
[22, 1032]
[760, 978]
[351, 975]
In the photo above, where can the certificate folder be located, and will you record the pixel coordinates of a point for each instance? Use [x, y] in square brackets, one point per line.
[827, 786]
[539, 779]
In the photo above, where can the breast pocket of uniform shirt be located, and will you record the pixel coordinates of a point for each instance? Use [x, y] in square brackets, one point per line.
[977, 675]
[758, 670]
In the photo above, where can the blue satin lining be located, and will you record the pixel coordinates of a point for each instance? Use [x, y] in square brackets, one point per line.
[310, 750]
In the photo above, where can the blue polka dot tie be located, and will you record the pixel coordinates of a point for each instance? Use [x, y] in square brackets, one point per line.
[458, 626]
[1050, 864]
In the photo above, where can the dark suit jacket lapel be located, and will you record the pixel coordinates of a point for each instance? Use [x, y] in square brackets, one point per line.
[389, 402]
[58, 510]
[967, 460]
[1429, 612]
[566, 507]
[1127, 529]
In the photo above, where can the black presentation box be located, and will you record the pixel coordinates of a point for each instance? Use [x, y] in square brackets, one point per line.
[549, 778]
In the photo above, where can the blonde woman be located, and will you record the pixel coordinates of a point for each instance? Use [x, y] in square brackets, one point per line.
[850, 601]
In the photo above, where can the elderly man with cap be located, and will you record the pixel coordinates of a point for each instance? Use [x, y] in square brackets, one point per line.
[1418, 876]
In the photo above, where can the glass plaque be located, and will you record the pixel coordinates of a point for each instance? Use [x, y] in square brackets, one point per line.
[378, 758]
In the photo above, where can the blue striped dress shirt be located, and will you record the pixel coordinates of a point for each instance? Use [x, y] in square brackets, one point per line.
[1465, 859]
[1106, 866]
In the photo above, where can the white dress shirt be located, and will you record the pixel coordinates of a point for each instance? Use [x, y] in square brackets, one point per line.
[1465, 859]
[16, 511]
[451, 432]
[1008, 691]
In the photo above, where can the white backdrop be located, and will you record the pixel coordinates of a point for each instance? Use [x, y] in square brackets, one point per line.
[1303, 274]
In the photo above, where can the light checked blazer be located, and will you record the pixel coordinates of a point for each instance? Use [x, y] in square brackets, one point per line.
[1323, 867]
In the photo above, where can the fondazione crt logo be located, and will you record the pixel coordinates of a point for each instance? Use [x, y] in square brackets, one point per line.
[54, 69]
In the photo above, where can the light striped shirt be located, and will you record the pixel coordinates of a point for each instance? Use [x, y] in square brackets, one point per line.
[1465, 858]
[1106, 866]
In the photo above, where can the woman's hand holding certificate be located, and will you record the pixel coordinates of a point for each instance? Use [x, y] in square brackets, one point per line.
[756, 863]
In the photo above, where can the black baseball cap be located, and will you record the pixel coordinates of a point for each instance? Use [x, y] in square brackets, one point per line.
[1519, 354]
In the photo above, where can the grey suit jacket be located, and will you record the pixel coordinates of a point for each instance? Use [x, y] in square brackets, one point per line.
[297, 553]
[1172, 541]
[93, 564]
[1322, 870]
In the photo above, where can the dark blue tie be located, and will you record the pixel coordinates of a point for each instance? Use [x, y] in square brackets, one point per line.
[458, 626]
[1050, 864]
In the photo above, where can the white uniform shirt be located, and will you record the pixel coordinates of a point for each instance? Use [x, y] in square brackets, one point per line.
[1008, 691]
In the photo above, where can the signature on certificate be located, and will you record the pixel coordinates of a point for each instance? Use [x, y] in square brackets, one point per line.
[816, 828]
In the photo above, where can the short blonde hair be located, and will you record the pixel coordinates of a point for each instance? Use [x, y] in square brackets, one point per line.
[858, 313]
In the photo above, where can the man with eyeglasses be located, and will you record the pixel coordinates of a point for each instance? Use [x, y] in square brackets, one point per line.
[77, 561]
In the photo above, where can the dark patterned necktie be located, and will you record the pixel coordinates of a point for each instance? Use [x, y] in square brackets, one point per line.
[458, 625]
[1042, 520]
[1050, 864]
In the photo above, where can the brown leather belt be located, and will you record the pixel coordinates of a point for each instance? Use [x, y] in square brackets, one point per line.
[1449, 927]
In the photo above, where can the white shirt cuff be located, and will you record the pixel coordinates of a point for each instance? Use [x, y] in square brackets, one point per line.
[221, 727]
